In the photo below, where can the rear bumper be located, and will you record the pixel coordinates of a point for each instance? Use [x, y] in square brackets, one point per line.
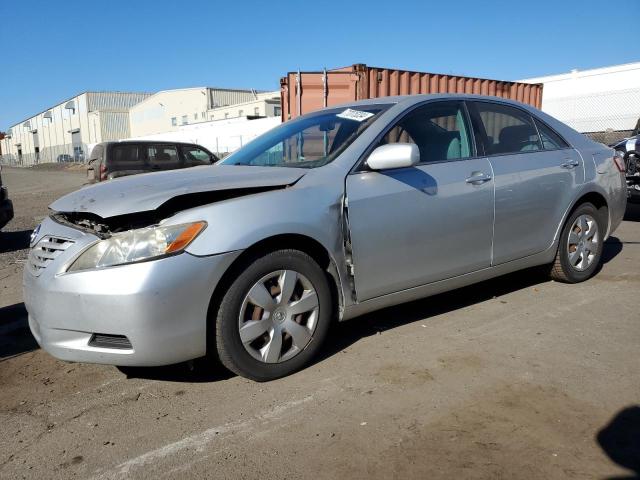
[6, 207]
[617, 205]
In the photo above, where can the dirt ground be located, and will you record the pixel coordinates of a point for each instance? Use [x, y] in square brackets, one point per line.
[518, 377]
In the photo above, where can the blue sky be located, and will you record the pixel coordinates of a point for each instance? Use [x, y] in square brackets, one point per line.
[52, 50]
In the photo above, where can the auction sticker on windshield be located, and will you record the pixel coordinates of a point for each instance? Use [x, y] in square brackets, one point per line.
[357, 115]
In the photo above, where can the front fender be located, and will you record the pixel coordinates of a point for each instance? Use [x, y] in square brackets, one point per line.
[238, 223]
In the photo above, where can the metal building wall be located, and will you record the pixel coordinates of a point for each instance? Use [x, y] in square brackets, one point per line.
[114, 125]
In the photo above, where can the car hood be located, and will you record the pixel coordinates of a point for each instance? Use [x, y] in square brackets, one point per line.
[141, 193]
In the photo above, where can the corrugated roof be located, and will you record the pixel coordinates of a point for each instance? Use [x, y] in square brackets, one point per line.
[72, 98]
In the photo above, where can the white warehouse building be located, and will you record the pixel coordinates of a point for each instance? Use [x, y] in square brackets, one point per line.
[601, 102]
[168, 110]
[64, 131]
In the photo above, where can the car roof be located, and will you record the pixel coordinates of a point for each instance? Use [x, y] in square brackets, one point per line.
[408, 100]
[150, 142]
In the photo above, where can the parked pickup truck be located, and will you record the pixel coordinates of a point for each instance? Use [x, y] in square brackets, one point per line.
[118, 159]
[6, 206]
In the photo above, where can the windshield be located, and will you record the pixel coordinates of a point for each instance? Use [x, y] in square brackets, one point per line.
[307, 142]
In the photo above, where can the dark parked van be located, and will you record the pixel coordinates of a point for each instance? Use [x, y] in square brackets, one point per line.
[116, 159]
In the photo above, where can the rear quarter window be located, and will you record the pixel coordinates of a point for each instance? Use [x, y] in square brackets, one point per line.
[550, 139]
[127, 155]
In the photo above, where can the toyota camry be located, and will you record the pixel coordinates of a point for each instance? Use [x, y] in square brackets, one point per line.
[329, 216]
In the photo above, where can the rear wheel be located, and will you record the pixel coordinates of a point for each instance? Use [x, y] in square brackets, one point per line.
[274, 317]
[580, 247]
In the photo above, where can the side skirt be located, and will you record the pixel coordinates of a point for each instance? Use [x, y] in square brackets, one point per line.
[441, 286]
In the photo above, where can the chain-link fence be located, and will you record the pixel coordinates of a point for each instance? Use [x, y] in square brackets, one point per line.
[67, 153]
[605, 117]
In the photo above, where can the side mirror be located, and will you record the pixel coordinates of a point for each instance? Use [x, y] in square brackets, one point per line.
[395, 155]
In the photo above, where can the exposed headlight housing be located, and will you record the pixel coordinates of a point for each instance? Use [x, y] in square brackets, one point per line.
[138, 245]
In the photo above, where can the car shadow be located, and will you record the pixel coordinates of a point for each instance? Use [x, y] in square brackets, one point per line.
[15, 336]
[12, 241]
[415, 178]
[197, 371]
[612, 247]
[620, 440]
[347, 333]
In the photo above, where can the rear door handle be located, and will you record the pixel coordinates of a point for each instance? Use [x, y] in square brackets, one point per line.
[478, 178]
[570, 164]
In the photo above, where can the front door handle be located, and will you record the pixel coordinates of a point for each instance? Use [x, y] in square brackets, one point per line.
[478, 178]
[570, 164]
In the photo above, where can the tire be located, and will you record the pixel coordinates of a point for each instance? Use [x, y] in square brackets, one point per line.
[255, 359]
[578, 259]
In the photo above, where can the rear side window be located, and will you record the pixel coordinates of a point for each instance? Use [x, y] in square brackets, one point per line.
[550, 139]
[439, 129]
[196, 156]
[126, 154]
[508, 130]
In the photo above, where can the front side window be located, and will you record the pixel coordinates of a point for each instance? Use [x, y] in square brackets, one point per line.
[508, 129]
[309, 141]
[196, 156]
[439, 130]
[185, 120]
[174, 122]
[550, 139]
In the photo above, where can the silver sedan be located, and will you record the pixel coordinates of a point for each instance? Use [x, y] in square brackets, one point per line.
[326, 217]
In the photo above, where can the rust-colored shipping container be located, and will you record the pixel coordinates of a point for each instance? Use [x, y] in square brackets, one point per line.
[304, 92]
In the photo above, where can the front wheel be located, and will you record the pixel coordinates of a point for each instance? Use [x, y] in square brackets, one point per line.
[580, 247]
[274, 317]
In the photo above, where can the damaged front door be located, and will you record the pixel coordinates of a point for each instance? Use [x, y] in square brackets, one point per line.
[416, 225]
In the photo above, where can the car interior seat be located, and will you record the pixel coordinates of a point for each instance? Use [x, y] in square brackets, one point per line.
[517, 138]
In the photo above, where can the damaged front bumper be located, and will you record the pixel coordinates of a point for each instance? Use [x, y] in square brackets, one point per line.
[141, 314]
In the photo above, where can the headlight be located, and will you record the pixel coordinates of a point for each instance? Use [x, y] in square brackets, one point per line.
[138, 245]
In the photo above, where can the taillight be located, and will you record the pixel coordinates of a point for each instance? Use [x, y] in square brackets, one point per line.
[618, 160]
[103, 172]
